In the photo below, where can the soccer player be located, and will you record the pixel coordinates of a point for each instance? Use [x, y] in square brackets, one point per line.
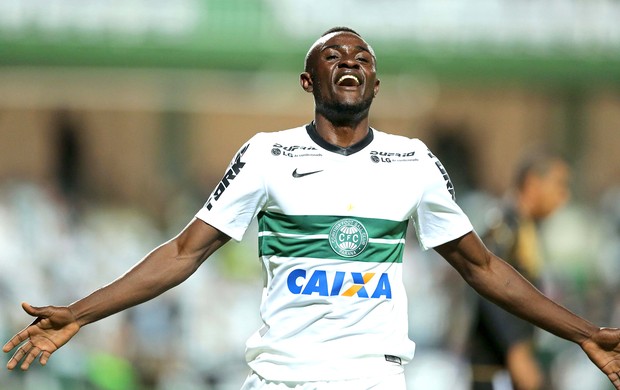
[333, 201]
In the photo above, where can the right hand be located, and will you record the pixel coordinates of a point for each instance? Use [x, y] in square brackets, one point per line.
[53, 328]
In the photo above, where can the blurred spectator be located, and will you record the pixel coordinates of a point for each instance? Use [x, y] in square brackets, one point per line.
[146, 347]
[501, 343]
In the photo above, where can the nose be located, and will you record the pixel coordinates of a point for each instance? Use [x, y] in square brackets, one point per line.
[348, 62]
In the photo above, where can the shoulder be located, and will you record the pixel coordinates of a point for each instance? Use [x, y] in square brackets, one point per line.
[401, 146]
[271, 139]
[268, 147]
[384, 138]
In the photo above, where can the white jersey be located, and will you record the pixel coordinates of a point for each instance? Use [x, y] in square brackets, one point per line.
[332, 224]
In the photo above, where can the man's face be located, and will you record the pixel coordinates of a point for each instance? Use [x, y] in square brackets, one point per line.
[341, 75]
[552, 189]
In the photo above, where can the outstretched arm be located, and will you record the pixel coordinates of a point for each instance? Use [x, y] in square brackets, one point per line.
[497, 281]
[163, 268]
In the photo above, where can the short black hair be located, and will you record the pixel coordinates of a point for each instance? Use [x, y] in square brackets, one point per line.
[340, 29]
[536, 160]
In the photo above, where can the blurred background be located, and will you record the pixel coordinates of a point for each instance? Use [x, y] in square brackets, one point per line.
[118, 117]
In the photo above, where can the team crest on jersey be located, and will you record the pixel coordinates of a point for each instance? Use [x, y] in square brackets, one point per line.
[348, 237]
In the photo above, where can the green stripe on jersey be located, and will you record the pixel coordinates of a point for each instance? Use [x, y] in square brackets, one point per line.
[309, 236]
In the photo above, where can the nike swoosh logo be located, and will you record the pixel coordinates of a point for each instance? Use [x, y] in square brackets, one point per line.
[296, 174]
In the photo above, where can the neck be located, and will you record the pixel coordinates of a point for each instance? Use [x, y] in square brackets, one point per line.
[341, 134]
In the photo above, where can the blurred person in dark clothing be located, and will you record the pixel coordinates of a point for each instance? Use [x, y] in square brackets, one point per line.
[502, 342]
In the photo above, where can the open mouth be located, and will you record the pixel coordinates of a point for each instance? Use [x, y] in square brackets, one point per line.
[348, 80]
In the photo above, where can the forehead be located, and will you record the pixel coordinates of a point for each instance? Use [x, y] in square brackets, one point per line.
[559, 168]
[340, 39]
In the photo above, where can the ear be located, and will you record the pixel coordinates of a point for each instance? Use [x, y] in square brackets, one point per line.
[306, 81]
[376, 88]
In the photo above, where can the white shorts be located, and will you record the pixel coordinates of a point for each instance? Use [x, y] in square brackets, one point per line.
[388, 382]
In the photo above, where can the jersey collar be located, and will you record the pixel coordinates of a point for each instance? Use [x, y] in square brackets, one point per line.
[314, 135]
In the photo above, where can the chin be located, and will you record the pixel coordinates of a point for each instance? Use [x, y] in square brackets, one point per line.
[344, 108]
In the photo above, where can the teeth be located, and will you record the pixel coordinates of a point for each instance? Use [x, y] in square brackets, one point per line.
[348, 77]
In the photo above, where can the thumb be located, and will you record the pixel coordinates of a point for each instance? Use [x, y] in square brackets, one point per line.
[36, 311]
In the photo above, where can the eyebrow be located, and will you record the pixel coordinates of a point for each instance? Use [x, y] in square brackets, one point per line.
[359, 47]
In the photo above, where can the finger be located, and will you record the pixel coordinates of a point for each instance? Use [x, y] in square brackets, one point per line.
[18, 355]
[30, 356]
[45, 356]
[11, 363]
[8, 346]
[615, 379]
[14, 360]
[16, 340]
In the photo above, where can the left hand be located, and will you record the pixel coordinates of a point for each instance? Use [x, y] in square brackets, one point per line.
[52, 328]
[603, 348]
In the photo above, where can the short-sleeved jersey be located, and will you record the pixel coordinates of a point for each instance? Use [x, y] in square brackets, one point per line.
[332, 225]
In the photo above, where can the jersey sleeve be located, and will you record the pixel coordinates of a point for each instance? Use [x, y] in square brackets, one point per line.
[240, 195]
[438, 218]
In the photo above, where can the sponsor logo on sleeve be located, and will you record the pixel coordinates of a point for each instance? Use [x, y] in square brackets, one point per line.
[444, 173]
[233, 170]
